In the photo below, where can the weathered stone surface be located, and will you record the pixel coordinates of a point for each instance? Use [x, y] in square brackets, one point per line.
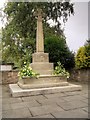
[73, 93]
[51, 101]
[11, 100]
[56, 95]
[42, 81]
[33, 98]
[6, 106]
[85, 95]
[40, 60]
[40, 57]
[17, 113]
[72, 105]
[86, 109]
[0, 114]
[30, 105]
[71, 98]
[43, 68]
[42, 110]
[24, 104]
[82, 75]
[86, 101]
[9, 77]
[44, 116]
[39, 35]
[71, 114]
[16, 91]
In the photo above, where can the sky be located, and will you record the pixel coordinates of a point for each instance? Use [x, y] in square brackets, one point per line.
[76, 28]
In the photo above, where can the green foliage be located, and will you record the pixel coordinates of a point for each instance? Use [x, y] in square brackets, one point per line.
[83, 57]
[21, 14]
[17, 51]
[27, 71]
[58, 51]
[60, 70]
[19, 34]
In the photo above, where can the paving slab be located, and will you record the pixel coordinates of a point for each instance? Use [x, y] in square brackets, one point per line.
[6, 95]
[51, 101]
[44, 116]
[11, 100]
[24, 104]
[30, 98]
[46, 109]
[12, 106]
[73, 93]
[0, 115]
[85, 95]
[85, 109]
[85, 100]
[71, 114]
[0, 103]
[17, 113]
[71, 98]
[0, 91]
[72, 105]
[56, 95]
[6, 107]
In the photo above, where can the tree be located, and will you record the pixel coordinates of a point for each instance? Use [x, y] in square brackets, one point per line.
[83, 56]
[22, 14]
[20, 31]
[58, 51]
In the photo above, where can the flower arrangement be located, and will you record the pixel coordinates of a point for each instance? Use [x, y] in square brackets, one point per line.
[60, 70]
[27, 71]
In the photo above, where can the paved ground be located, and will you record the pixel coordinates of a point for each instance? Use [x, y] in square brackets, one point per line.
[59, 105]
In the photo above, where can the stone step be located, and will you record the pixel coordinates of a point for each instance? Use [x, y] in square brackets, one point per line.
[42, 81]
[16, 91]
[45, 85]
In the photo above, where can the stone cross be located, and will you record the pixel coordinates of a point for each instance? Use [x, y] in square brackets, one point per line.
[39, 34]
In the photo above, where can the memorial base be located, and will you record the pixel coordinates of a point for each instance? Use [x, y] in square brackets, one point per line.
[43, 85]
[42, 82]
[17, 91]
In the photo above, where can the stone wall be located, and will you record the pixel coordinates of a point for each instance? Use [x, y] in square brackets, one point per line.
[82, 75]
[9, 77]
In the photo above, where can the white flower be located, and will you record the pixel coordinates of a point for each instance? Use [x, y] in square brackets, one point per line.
[30, 68]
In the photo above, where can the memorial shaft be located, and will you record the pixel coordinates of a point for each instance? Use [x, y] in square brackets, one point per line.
[39, 35]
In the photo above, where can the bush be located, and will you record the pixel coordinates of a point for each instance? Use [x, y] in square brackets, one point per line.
[27, 71]
[82, 58]
[58, 51]
[60, 70]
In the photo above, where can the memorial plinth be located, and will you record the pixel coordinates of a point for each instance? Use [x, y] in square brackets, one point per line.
[40, 63]
[44, 81]
[47, 82]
